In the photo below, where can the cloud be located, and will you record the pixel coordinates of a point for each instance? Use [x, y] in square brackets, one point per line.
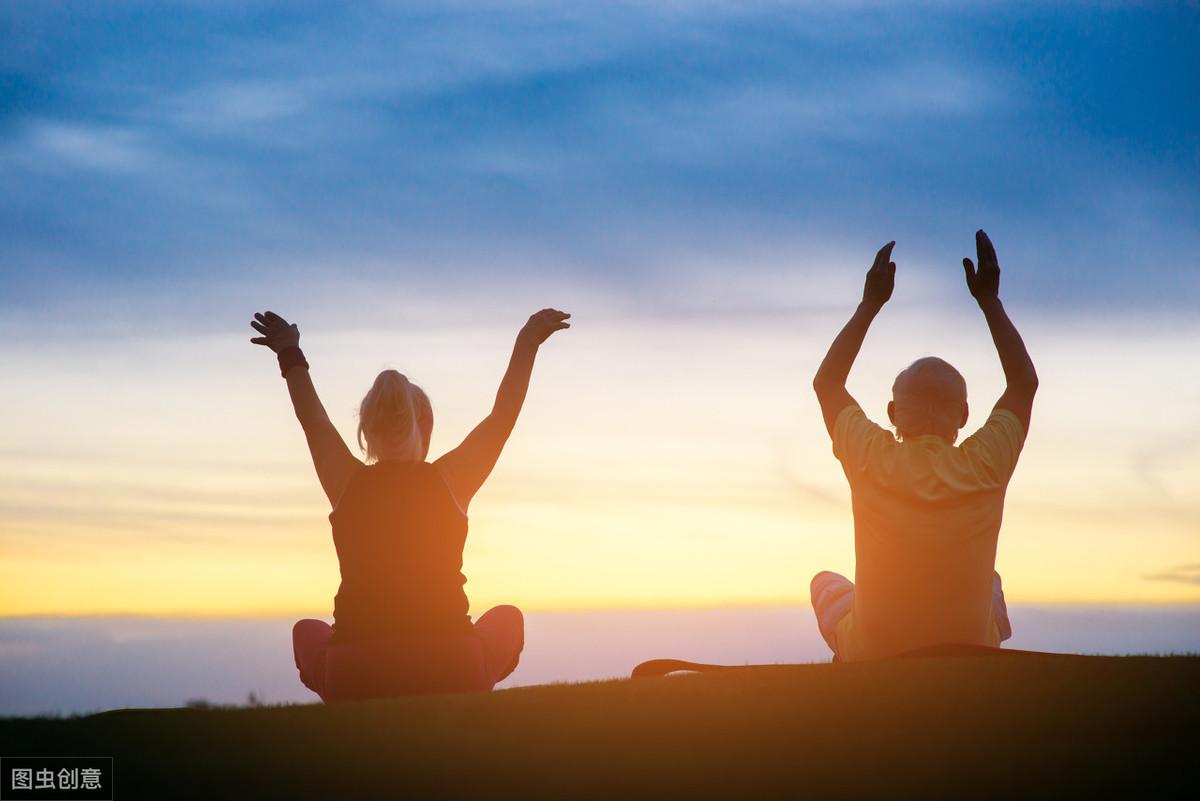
[593, 138]
[803, 120]
[1183, 574]
[52, 146]
[238, 108]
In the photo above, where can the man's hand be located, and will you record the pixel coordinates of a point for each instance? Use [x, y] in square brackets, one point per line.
[1019, 374]
[830, 381]
[277, 333]
[983, 282]
[541, 325]
[881, 279]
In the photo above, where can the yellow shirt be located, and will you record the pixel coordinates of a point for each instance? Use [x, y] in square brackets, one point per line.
[926, 520]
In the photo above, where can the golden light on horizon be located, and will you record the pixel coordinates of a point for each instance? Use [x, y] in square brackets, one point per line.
[656, 465]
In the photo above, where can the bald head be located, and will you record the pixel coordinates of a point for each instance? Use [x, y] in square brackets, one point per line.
[929, 397]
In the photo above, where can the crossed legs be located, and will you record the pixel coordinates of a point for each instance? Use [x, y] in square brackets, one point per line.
[501, 631]
[833, 595]
[310, 639]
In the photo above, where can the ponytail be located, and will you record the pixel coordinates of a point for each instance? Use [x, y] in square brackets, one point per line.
[394, 419]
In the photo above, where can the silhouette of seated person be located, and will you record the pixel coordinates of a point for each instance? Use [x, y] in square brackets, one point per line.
[927, 511]
[401, 623]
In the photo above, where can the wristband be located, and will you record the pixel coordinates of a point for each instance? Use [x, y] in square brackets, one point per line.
[291, 357]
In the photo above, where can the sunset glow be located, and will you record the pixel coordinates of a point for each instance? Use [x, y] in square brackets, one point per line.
[696, 474]
[702, 188]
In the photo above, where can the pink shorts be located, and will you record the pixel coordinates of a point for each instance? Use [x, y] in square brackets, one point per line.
[386, 668]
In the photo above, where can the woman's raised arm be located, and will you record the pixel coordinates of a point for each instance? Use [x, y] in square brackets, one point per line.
[466, 467]
[334, 462]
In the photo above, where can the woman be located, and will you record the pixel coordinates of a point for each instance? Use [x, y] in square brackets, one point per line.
[399, 526]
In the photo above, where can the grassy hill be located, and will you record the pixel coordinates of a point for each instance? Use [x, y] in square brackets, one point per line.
[933, 727]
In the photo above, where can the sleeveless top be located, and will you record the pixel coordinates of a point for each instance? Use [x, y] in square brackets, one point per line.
[399, 535]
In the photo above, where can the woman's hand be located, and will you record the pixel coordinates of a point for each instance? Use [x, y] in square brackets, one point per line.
[277, 333]
[541, 325]
[466, 467]
[881, 279]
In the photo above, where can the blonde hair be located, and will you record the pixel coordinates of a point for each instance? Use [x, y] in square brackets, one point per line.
[389, 418]
[929, 396]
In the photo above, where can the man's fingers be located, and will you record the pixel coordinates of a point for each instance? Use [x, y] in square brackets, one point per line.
[259, 340]
[884, 255]
[985, 250]
[272, 317]
[259, 327]
[969, 269]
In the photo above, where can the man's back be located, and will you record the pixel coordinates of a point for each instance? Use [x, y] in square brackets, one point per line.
[927, 517]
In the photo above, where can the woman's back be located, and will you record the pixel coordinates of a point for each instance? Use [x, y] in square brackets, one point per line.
[399, 535]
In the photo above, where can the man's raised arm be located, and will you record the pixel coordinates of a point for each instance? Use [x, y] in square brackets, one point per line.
[830, 381]
[1019, 373]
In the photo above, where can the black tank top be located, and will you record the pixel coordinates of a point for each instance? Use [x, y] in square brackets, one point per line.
[399, 536]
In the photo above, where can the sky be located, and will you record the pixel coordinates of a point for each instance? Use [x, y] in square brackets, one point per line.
[702, 185]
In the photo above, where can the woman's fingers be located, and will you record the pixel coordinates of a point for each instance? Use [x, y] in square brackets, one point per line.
[550, 319]
[545, 322]
[273, 328]
[267, 321]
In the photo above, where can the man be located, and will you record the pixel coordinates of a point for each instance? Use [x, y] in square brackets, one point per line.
[927, 512]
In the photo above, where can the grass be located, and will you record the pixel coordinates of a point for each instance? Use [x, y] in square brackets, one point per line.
[965, 727]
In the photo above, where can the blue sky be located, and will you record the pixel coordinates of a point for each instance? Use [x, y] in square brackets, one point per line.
[160, 151]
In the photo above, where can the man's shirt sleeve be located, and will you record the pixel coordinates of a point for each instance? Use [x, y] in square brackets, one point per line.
[857, 440]
[992, 451]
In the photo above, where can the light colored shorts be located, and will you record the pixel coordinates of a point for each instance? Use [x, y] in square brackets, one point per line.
[833, 598]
